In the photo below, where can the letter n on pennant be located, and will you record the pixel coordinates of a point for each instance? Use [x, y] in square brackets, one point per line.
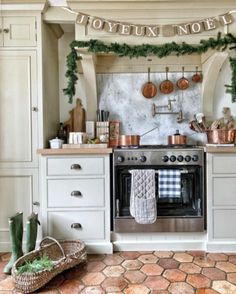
[183, 29]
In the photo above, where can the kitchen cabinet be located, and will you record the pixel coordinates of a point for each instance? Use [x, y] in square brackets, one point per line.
[76, 198]
[221, 203]
[24, 112]
[18, 31]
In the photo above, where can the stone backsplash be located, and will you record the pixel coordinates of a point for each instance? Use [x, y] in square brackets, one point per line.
[121, 95]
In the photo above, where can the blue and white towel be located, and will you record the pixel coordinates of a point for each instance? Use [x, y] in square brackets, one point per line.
[143, 196]
[169, 183]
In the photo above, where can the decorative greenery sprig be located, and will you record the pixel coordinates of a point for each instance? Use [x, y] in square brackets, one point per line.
[36, 265]
[232, 88]
[219, 43]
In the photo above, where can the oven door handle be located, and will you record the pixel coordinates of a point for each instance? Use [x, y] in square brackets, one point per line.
[182, 171]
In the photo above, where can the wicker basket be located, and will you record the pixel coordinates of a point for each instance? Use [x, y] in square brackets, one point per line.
[64, 255]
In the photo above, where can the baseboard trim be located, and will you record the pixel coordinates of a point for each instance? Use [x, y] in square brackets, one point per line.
[158, 245]
[99, 248]
[221, 247]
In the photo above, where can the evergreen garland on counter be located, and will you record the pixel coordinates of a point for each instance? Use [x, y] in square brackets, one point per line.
[144, 50]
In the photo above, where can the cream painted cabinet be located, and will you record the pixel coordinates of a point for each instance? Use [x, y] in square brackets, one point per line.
[76, 199]
[18, 31]
[221, 195]
[18, 109]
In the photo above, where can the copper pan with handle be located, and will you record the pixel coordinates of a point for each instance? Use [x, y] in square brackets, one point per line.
[132, 140]
[149, 89]
[183, 83]
[166, 87]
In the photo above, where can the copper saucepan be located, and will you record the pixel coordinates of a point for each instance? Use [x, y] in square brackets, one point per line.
[132, 140]
[149, 89]
[166, 87]
[177, 139]
[183, 83]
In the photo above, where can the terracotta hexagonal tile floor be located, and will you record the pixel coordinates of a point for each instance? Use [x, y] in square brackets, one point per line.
[159, 272]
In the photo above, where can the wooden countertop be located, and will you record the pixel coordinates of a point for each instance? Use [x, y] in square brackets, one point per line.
[212, 149]
[74, 151]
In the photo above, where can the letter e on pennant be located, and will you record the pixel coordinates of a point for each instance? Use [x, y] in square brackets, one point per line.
[210, 24]
[124, 29]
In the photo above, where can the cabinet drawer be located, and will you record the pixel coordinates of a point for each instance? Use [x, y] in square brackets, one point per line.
[223, 223]
[75, 166]
[224, 191]
[92, 225]
[76, 193]
[224, 164]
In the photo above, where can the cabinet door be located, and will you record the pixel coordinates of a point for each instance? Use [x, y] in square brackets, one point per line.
[19, 190]
[19, 31]
[18, 123]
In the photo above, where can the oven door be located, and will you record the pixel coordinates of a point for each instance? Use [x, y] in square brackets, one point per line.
[189, 205]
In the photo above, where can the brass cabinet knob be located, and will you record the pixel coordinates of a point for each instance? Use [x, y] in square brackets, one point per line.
[76, 226]
[75, 166]
[6, 31]
[36, 203]
[76, 193]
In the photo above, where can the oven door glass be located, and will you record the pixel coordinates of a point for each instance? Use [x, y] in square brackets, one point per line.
[190, 204]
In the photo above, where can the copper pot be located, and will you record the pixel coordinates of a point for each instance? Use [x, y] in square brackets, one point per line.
[132, 140]
[166, 87]
[221, 136]
[177, 139]
[149, 89]
[183, 83]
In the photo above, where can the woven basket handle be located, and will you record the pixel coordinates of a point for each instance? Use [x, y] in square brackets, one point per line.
[54, 241]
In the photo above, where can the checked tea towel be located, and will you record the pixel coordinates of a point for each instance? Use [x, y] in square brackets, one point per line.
[143, 196]
[169, 183]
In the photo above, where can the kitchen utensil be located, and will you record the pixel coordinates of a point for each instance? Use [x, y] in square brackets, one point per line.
[183, 83]
[132, 140]
[149, 89]
[197, 77]
[221, 136]
[201, 120]
[166, 87]
[177, 139]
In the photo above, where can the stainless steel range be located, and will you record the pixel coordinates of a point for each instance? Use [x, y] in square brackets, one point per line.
[184, 214]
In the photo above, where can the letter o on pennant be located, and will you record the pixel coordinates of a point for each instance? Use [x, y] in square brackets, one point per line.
[196, 27]
[97, 23]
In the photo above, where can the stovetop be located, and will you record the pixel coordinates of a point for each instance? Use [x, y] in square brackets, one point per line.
[159, 155]
[157, 147]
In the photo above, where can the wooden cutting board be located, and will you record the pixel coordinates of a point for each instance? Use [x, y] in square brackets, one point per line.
[76, 122]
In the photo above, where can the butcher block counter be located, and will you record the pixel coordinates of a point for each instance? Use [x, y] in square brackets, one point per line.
[213, 149]
[74, 151]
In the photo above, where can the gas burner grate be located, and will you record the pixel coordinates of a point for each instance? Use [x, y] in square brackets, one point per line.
[157, 147]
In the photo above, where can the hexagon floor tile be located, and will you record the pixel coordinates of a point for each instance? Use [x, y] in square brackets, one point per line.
[158, 272]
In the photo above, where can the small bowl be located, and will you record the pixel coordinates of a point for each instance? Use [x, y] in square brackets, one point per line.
[56, 143]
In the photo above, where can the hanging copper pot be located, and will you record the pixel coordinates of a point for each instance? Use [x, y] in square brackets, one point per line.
[149, 89]
[166, 87]
[183, 83]
[197, 77]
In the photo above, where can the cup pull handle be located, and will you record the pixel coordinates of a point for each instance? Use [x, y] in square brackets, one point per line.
[36, 203]
[76, 193]
[76, 226]
[75, 166]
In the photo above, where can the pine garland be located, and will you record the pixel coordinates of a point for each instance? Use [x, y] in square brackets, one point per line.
[95, 46]
[232, 88]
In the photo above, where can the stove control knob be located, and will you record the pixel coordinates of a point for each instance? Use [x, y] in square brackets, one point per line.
[165, 158]
[187, 158]
[180, 158]
[195, 157]
[142, 158]
[173, 158]
[120, 158]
